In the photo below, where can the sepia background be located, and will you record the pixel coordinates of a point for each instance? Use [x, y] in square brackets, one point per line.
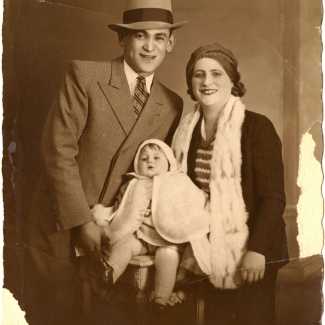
[278, 47]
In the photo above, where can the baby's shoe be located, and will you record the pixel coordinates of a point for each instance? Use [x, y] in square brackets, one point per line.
[158, 304]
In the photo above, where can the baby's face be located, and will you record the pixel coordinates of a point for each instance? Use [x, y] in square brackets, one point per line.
[152, 162]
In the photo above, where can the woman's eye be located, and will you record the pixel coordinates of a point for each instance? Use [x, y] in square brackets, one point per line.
[198, 75]
[217, 74]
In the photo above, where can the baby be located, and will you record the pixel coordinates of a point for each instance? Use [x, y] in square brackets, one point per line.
[160, 210]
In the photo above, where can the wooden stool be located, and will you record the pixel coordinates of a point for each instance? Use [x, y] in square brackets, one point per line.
[140, 275]
[199, 298]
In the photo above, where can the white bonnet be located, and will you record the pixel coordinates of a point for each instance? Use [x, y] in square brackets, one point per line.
[164, 147]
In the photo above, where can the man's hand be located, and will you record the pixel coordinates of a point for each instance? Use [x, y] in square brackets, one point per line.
[90, 236]
[253, 267]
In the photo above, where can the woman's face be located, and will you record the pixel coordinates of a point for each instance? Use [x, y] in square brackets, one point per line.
[210, 83]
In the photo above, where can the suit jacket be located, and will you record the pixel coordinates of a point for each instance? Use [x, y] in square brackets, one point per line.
[262, 181]
[91, 129]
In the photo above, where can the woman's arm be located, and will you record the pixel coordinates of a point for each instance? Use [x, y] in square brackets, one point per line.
[269, 196]
[268, 180]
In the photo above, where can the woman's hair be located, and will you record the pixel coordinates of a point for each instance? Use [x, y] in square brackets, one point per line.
[225, 58]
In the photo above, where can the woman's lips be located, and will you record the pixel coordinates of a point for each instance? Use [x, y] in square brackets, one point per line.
[208, 91]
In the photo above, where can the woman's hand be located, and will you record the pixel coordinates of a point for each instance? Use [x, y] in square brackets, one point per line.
[253, 267]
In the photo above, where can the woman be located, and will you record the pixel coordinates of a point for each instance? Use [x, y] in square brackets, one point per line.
[235, 156]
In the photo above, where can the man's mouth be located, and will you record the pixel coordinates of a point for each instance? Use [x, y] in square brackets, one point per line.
[147, 57]
[208, 91]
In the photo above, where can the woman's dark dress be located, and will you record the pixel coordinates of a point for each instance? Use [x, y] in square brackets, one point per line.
[263, 193]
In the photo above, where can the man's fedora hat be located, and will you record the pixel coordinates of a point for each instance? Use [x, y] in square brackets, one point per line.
[147, 14]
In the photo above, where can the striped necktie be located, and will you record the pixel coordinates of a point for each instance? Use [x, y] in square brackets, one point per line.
[140, 95]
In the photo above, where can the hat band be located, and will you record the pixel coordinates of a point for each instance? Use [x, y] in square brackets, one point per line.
[147, 14]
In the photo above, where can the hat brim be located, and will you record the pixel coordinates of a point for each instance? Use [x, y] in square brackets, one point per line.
[146, 25]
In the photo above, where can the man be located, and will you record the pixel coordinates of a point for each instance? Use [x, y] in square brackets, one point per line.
[103, 111]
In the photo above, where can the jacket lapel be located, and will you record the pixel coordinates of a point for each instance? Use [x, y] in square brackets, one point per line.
[118, 95]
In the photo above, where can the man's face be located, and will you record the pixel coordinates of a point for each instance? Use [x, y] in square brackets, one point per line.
[144, 50]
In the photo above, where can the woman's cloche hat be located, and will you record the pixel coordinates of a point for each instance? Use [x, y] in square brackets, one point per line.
[147, 14]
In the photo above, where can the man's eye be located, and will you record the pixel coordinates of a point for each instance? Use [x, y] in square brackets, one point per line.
[160, 38]
[140, 36]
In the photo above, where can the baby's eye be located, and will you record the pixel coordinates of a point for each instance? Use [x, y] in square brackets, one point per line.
[157, 157]
[143, 158]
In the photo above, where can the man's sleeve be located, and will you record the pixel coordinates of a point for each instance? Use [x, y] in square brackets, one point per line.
[59, 148]
[268, 184]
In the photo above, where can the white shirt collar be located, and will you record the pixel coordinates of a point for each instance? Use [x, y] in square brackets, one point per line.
[203, 134]
[131, 77]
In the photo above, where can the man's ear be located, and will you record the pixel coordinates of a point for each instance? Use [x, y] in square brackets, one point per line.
[171, 42]
[121, 37]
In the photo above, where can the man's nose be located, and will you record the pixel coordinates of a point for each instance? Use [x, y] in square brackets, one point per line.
[149, 44]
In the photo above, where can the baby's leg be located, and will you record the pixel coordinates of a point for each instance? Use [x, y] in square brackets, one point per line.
[166, 262]
[121, 255]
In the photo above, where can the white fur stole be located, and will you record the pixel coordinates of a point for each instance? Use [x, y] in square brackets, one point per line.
[228, 229]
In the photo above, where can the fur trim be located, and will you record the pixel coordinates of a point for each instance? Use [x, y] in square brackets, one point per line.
[183, 135]
[228, 232]
[228, 229]
[100, 215]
